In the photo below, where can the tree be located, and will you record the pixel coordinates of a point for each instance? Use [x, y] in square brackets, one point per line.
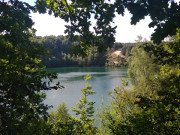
[163, 13]
[85, 110]
[21, 71]
[61, 114]
[79, 13]
[114, 118]
[139, 39]
[61, 122]
[162, 112]
[143, 72]
[159, 106]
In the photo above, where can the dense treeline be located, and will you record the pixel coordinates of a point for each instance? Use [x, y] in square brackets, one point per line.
[60, 56]
[150, 107]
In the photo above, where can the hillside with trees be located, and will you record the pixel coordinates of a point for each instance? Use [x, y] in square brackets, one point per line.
[59, 54]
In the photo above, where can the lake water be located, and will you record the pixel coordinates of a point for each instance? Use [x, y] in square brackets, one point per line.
[103, 80]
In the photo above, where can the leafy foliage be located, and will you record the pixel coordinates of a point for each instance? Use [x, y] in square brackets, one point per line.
[164, 15]
[143, 72]
[114, 117]
[79, 14]
[85, 110]
[160, 115]
[61, 122]
[21, 71]
[59, 56]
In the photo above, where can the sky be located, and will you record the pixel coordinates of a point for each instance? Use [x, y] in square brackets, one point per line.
[48, 25]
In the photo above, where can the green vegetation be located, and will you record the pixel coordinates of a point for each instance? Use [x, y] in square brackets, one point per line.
[150, 107]
[85, 111]
[62, 123]
[59, 56]
[21, 73]
[59, 53]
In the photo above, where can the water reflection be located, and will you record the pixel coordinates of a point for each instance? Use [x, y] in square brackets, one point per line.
[84, 69]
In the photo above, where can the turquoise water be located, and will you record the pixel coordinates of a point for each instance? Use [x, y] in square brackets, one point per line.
[103, 80]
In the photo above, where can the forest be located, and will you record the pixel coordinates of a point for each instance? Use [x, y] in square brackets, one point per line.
[149, 107]
[59, 56]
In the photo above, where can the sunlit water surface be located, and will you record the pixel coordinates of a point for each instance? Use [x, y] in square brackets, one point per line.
[103, 81]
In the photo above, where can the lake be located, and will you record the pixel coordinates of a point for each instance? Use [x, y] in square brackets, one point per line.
[103, 80]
